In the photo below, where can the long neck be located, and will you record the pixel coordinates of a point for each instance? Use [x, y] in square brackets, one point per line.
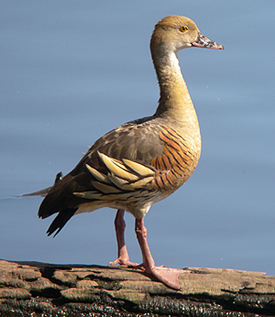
[175, 104]
[174, 95]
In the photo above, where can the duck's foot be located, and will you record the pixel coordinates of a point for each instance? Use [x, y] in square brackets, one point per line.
[168, 276]
[124, 261]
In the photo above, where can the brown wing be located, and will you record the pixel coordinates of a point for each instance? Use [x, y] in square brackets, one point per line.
[137, 141]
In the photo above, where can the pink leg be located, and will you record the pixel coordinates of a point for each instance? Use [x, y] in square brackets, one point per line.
[168, 276]
[123, 257]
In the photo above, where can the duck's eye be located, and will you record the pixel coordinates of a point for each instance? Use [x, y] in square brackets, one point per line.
[184, 28]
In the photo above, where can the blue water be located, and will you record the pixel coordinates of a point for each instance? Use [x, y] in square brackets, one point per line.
[73, 70]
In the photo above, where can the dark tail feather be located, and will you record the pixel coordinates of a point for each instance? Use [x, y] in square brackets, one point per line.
[44, 192]
[60, 220]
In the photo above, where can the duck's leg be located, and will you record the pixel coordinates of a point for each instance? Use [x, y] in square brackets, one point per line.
[123, 257]
[168, 276]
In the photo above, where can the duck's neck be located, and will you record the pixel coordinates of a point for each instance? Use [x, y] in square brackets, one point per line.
[175, 103]
[174, 95]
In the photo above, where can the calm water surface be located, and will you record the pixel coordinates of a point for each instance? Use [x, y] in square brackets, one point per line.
[71, 71]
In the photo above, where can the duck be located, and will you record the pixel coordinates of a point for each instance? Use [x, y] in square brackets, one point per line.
[142, 161]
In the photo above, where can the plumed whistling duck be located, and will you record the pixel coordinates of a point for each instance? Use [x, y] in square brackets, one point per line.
[142, 161]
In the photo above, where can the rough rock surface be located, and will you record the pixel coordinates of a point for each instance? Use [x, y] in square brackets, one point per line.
[39, 289]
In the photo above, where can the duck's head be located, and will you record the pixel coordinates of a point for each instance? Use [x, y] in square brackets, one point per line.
[174, 33]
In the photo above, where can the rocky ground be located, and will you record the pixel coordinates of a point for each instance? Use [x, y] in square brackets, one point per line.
[39, 289]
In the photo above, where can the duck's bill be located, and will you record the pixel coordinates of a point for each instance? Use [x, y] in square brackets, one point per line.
[203, 41]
